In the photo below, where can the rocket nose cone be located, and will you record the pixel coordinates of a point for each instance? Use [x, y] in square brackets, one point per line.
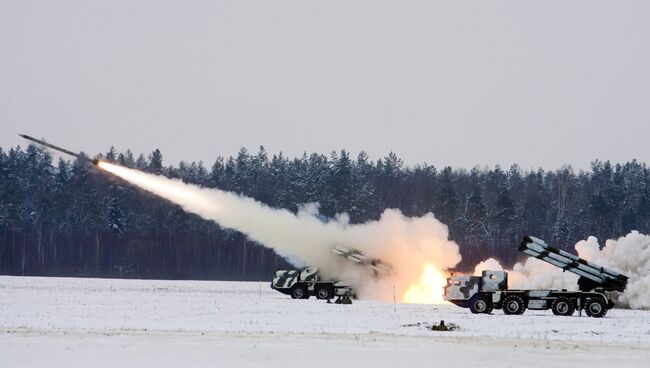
[22, 135]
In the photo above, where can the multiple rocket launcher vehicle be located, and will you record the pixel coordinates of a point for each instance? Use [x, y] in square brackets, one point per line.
[301, 284]
[481, 294]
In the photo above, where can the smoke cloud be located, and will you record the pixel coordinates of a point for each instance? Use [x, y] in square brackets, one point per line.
[417, 248]
[408, 244]
[631, 256]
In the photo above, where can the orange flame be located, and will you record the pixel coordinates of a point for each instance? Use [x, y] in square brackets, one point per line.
[428, 289]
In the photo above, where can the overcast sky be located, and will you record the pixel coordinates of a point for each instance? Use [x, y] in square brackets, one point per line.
[541, 83]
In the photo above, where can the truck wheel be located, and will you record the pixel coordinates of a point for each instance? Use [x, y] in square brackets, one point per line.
[596, 308]
[299, 292]
[513, 304]
[324, 292]
[480, 304]
[563, 307]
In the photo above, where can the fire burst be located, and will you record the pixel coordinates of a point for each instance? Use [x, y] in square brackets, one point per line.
[428, 289]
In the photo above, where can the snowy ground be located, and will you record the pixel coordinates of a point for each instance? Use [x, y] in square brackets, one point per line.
[66, 322]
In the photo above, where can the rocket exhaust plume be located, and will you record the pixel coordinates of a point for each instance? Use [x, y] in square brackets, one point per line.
[418, 249]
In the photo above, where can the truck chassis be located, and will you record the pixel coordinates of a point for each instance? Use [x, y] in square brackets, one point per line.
[560, 302]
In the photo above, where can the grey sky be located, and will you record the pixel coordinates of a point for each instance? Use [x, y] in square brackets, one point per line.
[445, 82]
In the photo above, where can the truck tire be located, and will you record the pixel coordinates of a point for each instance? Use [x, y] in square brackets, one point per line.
[299, 292]
[596, 308]
[480, 304]
[563, 306]
[513, 304]
[324, 292]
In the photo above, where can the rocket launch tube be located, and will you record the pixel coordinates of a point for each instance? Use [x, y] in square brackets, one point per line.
[38, 141]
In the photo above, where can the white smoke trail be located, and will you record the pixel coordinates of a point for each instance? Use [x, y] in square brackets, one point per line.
[629, 255]
[408, 244]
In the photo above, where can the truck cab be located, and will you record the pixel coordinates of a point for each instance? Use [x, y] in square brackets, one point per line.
[460, 290]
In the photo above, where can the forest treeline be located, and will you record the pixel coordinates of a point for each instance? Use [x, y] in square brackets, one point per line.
[67, 218]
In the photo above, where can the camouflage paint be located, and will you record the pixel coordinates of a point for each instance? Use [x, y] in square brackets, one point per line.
[494, 281]
[462, 287]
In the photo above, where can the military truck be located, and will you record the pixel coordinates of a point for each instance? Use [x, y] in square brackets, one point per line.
[481, 294]
[301, 284]
[306, 282]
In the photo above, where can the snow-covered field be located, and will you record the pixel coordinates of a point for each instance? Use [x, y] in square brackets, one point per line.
[67, 322]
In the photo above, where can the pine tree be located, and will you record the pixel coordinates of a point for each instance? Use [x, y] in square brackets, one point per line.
[261, 177]
[475, 213]
[316, 185]
[364, 201]
[242, 173]
[126, 159]
[279, 178]
[141, 163]
[388, 181]
[341, 182]
[115, 219]
[155, 164]
[111, 155]
[446, 208]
